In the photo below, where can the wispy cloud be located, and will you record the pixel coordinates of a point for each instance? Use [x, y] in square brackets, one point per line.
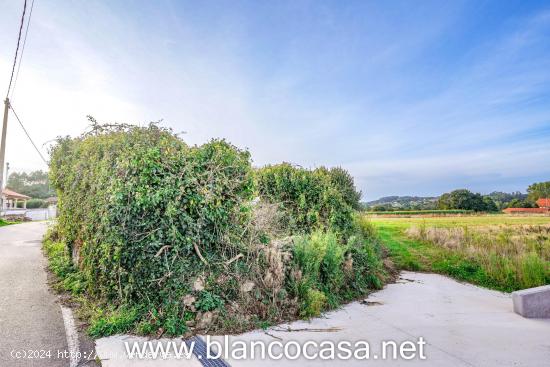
[409, 106]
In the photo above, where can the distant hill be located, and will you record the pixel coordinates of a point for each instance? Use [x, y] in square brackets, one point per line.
[403, 202]
[501, 199]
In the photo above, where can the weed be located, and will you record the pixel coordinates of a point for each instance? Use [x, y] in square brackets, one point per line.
[209, 301]
[314, 303]
[113, 321]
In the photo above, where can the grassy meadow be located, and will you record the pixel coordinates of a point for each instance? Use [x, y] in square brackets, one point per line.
[500, 252]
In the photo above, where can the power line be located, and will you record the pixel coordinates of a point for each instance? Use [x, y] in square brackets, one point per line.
[17, 48]
[22, 50]
[28, 136]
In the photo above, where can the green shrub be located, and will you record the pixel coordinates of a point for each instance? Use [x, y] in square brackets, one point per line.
[35, 203]
[162, 233]
[314, 303]
[146, 213]
[345, 184]
[308, 197]
[209, 301]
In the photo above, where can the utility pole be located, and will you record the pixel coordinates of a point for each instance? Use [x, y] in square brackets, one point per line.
[7, 173]
[3, 150]
[3, 141]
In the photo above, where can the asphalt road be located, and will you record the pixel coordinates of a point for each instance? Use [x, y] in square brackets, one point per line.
[32, 330]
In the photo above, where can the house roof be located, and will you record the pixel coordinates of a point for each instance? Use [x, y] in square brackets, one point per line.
[13, 195]
[543, 202]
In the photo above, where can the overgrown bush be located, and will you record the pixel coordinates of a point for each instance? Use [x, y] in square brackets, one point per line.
[144, 213]
[163, 237]
[310, 198]
[345, 184]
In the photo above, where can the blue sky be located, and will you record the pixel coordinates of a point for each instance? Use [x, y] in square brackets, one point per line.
[413, 97]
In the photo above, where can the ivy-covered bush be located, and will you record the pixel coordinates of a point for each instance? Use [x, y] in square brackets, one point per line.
[157, 236]
[344, 183]
[309, 197]
[143, 213]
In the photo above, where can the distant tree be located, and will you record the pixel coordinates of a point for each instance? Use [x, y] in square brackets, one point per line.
[34, 184]
[343, 180]
[381, 208]
[517, 203]
[490, 205]
[503, 199]
[444, 202]
[462, 199]
[405, 202]
[538, 190]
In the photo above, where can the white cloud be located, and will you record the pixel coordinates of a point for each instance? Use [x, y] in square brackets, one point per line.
[394, 133]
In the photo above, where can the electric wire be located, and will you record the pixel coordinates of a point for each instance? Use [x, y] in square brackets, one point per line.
[22, 51]
[28, 136]
[17, 48]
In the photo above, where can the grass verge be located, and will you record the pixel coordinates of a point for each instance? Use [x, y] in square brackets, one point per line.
[4, 223]
[68, 280]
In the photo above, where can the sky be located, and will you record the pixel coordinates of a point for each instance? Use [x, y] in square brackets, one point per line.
[412, 97]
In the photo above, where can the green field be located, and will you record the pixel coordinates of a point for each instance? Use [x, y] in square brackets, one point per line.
[420, 212]
[454, 221]
[495, 251]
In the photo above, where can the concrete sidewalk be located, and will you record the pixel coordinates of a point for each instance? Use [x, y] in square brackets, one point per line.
[463, 325]
[30, 318]
[34, 329]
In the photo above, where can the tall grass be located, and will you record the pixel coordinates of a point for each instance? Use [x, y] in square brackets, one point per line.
[328, 272]
[503, 257]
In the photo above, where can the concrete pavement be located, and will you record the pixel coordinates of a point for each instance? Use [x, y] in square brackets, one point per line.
[462, 325]
[32, 329]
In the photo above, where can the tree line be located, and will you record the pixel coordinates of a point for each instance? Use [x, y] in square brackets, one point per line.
[464, 199]
[35, 184]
